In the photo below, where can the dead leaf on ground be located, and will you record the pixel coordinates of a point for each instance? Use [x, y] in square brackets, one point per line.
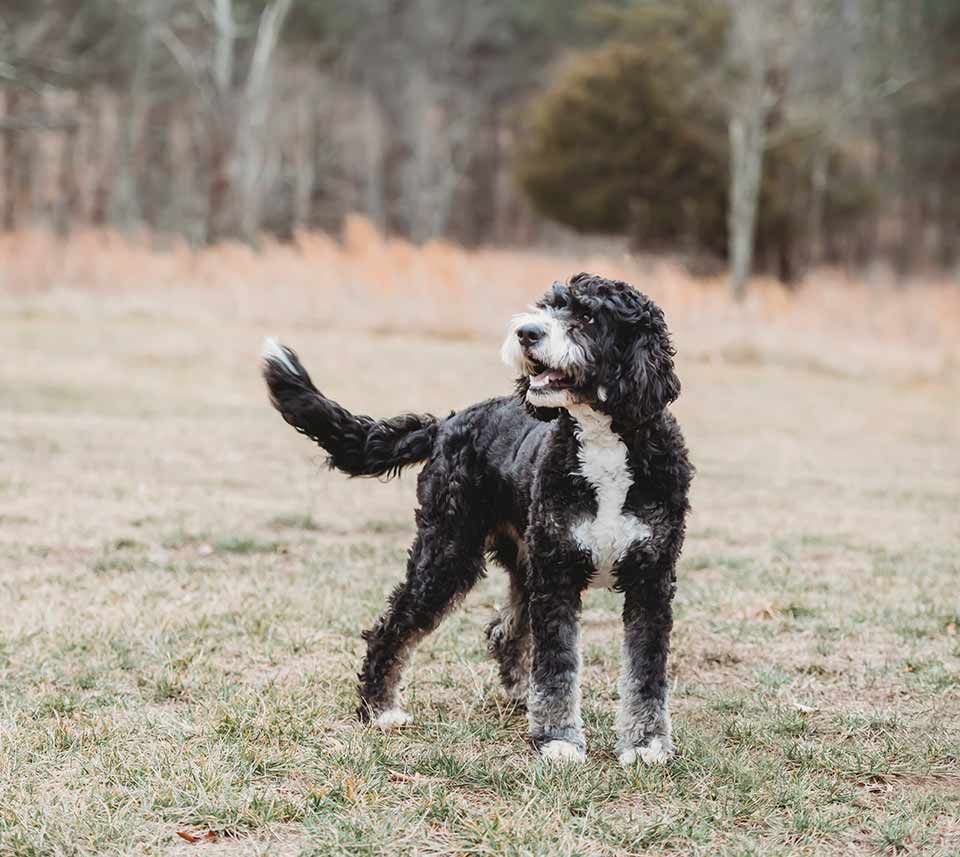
[350, 787]
[195, 838]
[400, 777]
[766, 611]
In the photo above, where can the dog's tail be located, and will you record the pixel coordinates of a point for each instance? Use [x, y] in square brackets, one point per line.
[358, 445]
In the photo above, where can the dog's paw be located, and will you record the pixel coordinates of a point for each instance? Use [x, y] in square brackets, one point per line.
[392, 718]
[658, 751]
[562, 751]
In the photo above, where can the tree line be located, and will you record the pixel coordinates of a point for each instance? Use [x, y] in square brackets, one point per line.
[778, 134]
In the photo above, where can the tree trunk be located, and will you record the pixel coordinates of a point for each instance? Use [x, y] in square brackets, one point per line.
[479, 218]
[159, 176]
[394, 159]
[374, 162]
[304, 166]
[125, 205]
[218, 187]
[16, 165]
[221, 117]
[253, 157]
[818, 185]
[68, 202]
[747, 141]
[99, 146]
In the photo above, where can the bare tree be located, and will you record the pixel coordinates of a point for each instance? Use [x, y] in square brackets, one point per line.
[236, 103]
[222, 119]
[758, 53]
[255, 158]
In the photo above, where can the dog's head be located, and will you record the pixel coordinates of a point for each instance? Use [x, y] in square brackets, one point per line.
[593, 342]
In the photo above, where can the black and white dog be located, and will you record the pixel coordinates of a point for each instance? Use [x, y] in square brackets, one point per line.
[578, 480]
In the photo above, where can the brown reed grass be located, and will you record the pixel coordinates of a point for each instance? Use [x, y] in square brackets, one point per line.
[366, 281]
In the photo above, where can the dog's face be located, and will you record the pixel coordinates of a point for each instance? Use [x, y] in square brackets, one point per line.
[593, 342]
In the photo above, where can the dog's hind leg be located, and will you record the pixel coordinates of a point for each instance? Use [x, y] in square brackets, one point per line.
[438, 576]
[508, 635]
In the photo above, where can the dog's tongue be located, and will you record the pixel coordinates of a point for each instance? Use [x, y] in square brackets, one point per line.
[544, 378]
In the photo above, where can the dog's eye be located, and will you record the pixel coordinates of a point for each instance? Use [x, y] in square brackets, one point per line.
[585, 317]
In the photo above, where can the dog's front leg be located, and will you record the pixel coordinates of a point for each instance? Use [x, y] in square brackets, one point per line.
[553, 703]
[643, 722]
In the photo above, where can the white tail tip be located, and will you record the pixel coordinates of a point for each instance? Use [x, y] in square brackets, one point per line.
[273, 350]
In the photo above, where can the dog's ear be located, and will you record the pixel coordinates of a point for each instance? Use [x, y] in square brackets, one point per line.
[654, 374]
[646, 381]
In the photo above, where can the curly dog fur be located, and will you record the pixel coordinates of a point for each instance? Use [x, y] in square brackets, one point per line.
[579, 479]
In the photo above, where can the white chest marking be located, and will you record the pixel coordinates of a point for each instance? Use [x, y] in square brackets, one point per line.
[603, 463]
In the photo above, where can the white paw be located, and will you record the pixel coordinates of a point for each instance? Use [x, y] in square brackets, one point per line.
[562, 751]
[655, 753]
[393, 718]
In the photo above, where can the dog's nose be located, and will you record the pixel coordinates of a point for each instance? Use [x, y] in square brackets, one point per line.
[530, 334]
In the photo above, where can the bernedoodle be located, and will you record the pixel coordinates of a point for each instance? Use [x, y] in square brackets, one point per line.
[578, 480]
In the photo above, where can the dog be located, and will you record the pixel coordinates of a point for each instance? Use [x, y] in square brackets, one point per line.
[580, 479]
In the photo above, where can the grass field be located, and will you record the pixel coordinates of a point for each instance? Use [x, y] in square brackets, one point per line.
[182, 586]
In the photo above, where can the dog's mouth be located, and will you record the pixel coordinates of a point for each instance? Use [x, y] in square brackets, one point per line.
[543, 379]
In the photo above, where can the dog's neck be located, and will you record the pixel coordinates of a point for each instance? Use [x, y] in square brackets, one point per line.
[590, 426]
[593, 428]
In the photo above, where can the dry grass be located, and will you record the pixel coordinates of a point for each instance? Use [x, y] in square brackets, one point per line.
[182, 584]
[390, 286]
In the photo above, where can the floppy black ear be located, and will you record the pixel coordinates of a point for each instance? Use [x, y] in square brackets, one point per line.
[646, 380]
[652, 369]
